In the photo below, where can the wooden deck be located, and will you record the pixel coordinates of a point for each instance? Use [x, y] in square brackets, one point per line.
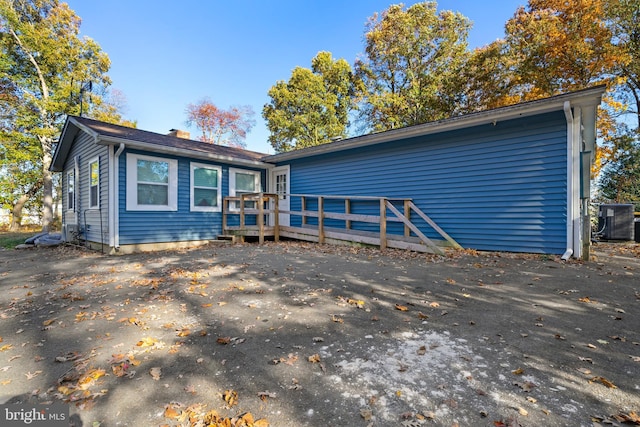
[332, 219]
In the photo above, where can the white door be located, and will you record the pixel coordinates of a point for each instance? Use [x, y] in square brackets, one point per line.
[280, 185]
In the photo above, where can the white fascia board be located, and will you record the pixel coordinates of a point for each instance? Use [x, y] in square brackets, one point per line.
[584, 98]
[108, 140]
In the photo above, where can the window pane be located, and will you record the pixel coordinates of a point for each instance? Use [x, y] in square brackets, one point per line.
[205, 197]
[204, 177]
[150, 171]
[149, 194]
[70, 182]
[93, 196]
[94, 173]
[245, 182]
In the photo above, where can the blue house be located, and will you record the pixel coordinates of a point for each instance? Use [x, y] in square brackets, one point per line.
[510, 179]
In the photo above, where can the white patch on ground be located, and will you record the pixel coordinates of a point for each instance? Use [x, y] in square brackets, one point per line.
[418, 372]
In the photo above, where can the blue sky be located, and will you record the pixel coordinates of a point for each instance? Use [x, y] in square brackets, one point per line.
[167, 54]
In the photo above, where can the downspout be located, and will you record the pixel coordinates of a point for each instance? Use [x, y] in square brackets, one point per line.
[114, 222]
[569, 116]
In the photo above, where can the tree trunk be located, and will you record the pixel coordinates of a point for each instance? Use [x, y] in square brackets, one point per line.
[47, 189]
[16, 213]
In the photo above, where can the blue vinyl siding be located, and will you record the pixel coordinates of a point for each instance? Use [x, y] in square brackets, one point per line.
[88, 219]
[137, 227]
[491, 187]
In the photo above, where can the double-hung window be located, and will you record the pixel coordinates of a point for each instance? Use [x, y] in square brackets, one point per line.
[71, 190]
[205, 188]
[94, 183]
[152, 183]
[242, 182]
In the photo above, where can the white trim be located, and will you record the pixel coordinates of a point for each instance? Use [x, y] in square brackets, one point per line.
[284, 219]
[132, 184]
[218, 205]
[66, 178]
[569, 228]
[232, 183]
[575, 188]
[91, 161]
[114, 194]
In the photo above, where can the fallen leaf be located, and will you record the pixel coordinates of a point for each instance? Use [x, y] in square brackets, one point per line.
[48, 322]
[604, 381]
[156, 373]
[402, 307]
[523, 411]
[30, 375]
[366, 413]
[314, 358]
[6, 347]
[422, 350]
[518, 371]
[171, 412]
[434, 304]
[263, 395]
[223, 340]
[147, 342]
[356, 302]
[230, 397]
[422, 316]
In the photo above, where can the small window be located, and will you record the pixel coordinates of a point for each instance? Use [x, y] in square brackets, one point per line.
[242, 182]
[71, 190]
[94, 183]
[205, 188]
[152, 183]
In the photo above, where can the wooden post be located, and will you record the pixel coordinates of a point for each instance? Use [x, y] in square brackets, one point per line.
[276, 219]
[225, 209]
[242, 222]
[260, 218]
[407, 214]
[383, 224]
[320, 219]
[347, 210]
[303, 206]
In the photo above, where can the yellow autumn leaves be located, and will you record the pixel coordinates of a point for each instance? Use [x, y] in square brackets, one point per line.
[196, 414]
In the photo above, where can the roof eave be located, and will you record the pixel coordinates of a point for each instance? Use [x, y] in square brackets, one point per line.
[585, 97]
[110, 140]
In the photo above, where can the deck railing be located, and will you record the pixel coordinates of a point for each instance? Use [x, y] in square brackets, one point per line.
[361, 219]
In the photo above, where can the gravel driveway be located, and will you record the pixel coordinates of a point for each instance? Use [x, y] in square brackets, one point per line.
[293, 334]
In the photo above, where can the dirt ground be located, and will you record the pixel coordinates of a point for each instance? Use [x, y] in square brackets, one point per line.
[293, 334]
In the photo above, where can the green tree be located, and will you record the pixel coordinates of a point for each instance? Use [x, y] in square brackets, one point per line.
[619, 181]
[313, 107]
[624, 22]
[44, 62]
[413, 61]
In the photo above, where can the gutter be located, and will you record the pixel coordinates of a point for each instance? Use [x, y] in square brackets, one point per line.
[114, 222]
[569, 116]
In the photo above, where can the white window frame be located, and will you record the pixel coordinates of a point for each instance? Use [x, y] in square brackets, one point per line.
[196, 208]
[97, 204]
[232, 184]
[132, 184]
[71, 178]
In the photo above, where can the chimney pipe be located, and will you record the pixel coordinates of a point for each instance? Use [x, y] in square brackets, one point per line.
[179, 133]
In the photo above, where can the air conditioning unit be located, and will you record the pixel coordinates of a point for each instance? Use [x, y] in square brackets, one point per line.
[616, 221]
[70, 232]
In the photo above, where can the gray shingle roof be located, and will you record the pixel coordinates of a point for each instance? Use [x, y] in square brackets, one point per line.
[131, 134]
